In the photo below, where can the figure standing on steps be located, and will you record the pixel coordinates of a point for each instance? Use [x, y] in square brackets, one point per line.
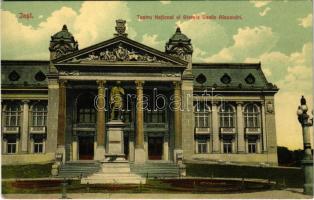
[116, 101]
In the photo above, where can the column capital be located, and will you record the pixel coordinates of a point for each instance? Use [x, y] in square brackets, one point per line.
[239, 103]
[177, 85]
[215, 103]
[62, 82]
[101, 83]
[139, 84]
[25, 101]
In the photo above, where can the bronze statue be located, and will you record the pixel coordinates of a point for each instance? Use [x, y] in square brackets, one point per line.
[116, 101]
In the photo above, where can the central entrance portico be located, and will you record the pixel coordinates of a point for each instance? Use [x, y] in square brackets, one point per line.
[146, 75]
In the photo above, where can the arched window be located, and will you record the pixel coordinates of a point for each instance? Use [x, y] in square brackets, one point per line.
[12, 114]
[39, 113]
[86, 112]
[226, 113]
[202, 114]
[251, 116]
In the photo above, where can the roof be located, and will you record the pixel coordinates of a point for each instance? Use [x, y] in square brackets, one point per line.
[231, 76]
[26, 71]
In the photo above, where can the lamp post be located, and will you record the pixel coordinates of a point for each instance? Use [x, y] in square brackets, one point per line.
[307, 162]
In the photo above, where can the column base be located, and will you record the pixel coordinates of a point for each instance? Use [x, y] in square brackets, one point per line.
[140, 155]
[100, 153]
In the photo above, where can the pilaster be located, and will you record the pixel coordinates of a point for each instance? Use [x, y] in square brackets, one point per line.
[240, 128]
[24, 137]
[215, 122]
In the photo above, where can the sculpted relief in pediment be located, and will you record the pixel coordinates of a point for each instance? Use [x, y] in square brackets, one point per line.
[119, 53]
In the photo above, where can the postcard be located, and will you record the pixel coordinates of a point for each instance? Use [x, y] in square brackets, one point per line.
[157, 99]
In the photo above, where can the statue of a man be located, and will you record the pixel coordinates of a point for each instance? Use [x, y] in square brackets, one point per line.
[116, 101]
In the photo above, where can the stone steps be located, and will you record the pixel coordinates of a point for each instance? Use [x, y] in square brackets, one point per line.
[78, 169]
[156, 170]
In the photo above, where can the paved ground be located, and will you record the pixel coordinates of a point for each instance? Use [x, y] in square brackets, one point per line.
[290, 193]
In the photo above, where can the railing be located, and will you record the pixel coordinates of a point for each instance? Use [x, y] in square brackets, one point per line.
[227, 130]
[37, 129]
[11, 129]
[253, 130]
[202, 130]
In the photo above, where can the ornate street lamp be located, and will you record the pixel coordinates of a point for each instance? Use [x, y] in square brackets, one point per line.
[307, 162]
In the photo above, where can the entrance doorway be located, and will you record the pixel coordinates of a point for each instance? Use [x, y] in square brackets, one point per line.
[86, 147]
[155, 148]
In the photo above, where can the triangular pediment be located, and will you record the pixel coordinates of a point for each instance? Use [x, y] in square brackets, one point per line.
[119, 50]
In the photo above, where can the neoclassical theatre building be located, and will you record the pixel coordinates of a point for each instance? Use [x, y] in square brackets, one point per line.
[48, 107]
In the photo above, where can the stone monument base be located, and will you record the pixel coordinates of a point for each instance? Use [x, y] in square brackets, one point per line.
[114, 173]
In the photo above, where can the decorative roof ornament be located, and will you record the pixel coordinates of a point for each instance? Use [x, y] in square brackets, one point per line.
[120, 28]
[179, 45]
[62, 43]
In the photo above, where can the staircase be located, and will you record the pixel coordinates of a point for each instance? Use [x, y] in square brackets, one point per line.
[78, 169]
[156, 170]
[114, 173]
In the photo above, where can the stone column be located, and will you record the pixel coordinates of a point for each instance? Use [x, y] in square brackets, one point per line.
[178, 152]
[100, 150]
[264, 133]
[215, 119]
[61, 118]
[140, 155]
[240, 125]
[24, 137]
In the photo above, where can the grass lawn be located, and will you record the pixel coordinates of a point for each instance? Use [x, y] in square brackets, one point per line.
[290, 177]
[26, 171]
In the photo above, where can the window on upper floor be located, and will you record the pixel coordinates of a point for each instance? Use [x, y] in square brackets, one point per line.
[226, 113]
[39, 114]
[202, 115]
[251, 116]
[86, 112]
[12, 114]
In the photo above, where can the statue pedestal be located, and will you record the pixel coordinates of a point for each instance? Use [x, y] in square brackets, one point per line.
[115, 142]
[115, 169]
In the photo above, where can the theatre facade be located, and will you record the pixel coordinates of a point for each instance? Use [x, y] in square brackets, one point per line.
[173, 109]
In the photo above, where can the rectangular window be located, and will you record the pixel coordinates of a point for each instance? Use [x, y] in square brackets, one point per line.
[154, 116]
[201, 146]
[38, 145]
[11, 145]
[227, 146]
[252, 146]
[201, 120]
